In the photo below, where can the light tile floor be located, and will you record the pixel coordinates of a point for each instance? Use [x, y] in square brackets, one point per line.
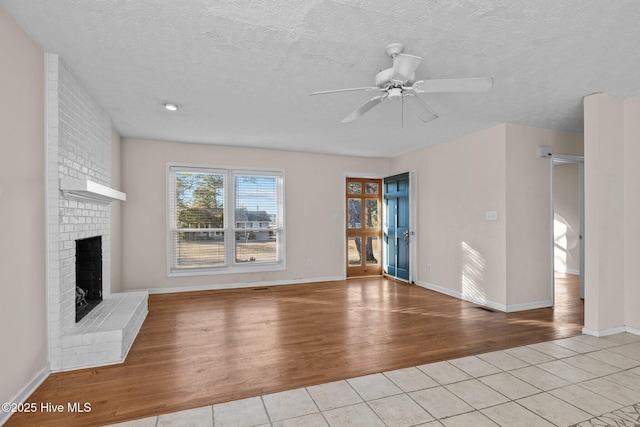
[579, 381]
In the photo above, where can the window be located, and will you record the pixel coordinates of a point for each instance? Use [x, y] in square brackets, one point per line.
[224, 220]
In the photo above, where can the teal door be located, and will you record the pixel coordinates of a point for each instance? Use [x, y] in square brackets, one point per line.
[396, 232]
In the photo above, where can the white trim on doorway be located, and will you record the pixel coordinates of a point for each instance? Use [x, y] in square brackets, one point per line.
[413, 226]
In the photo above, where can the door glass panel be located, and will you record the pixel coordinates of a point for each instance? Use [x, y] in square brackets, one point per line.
[373, 218]
[355, 248]
[373, 250]
[371, 188]
[355, 213]
[354, 188]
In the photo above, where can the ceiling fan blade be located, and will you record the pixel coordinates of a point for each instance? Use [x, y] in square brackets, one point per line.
[424, 112]
[352, 89]
[404, 66]
[364, 108]
[473, 84]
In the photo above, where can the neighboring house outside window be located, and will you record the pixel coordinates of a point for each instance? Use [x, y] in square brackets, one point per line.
[224, 220]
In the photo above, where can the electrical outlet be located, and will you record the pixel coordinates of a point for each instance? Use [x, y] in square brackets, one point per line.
[308, 263]
[428, 267]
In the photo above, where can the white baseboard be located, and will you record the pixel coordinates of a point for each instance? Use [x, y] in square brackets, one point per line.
[459, 295]
[611, 331]
[634, 331]
[529, 306]
[486, 303]
[439, 289]
[26, 391]
[603, 333]
[239, 285]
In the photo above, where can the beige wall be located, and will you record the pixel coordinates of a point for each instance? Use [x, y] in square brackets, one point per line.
[528, 194]
[505, 263]
[457, 183]
[116, 215]
[604, 212]
[22, 210]
[632, 212]
[314, 192]
[612, 206]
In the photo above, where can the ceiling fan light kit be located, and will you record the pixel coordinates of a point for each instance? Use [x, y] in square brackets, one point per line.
[399, 83]
[395, 93]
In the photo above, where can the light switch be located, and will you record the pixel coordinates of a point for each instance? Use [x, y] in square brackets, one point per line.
[492, 216]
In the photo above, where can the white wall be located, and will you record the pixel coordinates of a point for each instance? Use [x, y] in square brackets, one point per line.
[314, 192]
[22, 218]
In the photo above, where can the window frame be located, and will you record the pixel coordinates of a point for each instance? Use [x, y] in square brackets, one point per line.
[230, 265]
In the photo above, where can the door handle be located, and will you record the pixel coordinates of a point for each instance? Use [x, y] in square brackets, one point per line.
[407, 237]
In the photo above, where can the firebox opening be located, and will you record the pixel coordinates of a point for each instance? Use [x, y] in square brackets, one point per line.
[88, 275]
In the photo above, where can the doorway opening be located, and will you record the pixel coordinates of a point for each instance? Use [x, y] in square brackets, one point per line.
[364, 227]
[567, 213]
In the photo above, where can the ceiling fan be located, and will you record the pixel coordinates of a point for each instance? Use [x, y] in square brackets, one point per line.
[399, 83]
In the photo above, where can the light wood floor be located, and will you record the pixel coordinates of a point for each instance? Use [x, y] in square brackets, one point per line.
[200, 348]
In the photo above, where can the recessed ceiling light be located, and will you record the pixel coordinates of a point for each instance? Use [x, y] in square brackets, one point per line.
[171, 106]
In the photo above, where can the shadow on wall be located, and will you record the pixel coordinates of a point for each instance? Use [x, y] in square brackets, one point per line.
[472, 274]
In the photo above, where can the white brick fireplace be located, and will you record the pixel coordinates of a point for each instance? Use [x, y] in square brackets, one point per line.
[79, 148]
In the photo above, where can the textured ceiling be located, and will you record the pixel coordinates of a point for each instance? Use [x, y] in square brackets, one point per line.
[243, 70]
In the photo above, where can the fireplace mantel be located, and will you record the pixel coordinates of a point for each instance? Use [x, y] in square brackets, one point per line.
[83, 189]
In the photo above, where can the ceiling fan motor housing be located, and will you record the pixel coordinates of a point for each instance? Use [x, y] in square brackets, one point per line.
[383, 78]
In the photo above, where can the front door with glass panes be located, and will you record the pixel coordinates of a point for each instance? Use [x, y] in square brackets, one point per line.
[364, 227]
